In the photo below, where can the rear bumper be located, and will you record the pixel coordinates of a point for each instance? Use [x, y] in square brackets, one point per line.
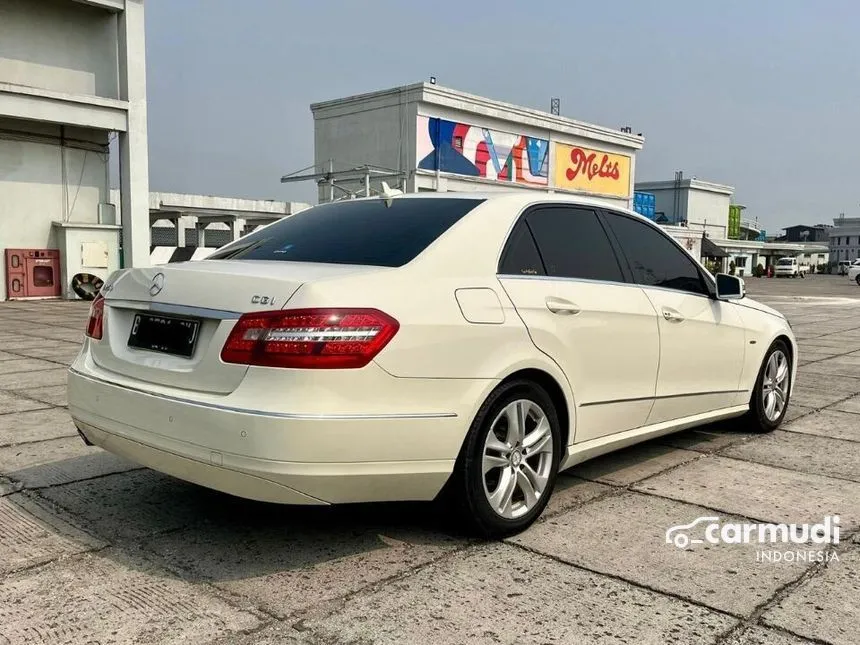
[295, 459]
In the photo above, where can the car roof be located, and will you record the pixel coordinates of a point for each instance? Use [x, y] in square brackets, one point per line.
[521, 198]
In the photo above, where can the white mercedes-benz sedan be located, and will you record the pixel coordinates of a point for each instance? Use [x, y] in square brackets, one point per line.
[403, 347]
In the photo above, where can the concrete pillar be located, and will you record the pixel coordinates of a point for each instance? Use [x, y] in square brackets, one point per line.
[134, 157]
[180, 231]
[201, 234]
[236, 227]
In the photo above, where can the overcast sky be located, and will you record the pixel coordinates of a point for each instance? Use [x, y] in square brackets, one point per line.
[763, 95]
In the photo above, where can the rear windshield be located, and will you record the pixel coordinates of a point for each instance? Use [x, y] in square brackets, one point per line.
[353, 232]
[785, 261]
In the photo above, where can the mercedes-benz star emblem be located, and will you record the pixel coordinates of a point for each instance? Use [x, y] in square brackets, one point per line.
[157, 284]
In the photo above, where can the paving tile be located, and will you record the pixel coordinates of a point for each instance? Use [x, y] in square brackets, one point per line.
[18, 341]
[849, 405]
[53, 395]
[136, 504]
[827, 423]
[796, 411]
[32, 536]
[267, 553]
[824, 606]
[632, 464]
[815, 397]
[707, 439]
[832, 369]
[6, 356]
[803, 452]
[763, 636]
[725, 577]
[29, 380]
[571, 491]
[58, 351]
[499, 593]
[759, 492]
[7, 486]
[58, 461]
[36, 425]
[25, 365]
[108, 598]
[12, 403]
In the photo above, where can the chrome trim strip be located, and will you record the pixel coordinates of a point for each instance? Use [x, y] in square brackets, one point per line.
[564, 279]
[660, 398]
[178, 310]
[264, 413]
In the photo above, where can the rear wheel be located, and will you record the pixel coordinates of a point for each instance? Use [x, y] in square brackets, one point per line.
[507, 467]
[857, 279]
[770, 396]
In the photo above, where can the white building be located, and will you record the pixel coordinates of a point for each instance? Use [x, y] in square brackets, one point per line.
[696, 204]
[424, 137]
[72, 75]
[845, 238]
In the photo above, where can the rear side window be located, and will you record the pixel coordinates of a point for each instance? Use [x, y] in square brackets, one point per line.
[363, 232]
[654, 259]
[521, 256]
[573, 244]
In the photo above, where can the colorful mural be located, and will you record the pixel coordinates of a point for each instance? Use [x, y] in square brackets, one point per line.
[591, 171]
[465, 149]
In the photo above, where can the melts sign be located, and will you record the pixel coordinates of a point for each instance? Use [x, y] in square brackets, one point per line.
[591, 171]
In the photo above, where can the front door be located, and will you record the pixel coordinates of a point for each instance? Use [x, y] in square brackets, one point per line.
[567, 285]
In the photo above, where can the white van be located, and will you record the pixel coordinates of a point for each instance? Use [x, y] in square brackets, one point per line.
[789, 267]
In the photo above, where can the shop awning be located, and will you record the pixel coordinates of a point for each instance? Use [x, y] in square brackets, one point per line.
[711, 250]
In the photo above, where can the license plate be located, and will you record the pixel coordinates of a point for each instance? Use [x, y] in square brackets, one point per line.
[164, 334]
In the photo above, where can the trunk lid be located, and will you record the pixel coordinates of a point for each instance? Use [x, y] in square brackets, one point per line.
[212, 294]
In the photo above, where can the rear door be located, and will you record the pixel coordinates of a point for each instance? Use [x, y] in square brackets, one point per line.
[567, 285]
[702, 340]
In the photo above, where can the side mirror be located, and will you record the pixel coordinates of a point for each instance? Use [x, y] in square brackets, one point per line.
[729, 287]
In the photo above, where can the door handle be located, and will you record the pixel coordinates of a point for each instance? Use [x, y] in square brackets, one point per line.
[672, 316]
[561, 306]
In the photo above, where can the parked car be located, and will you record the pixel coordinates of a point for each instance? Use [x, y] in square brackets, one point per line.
[843, 267]
[854, 272]
[790, 268]
[407, 347]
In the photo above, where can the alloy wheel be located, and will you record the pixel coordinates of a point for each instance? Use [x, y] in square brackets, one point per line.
[775, 385]
[517, 458]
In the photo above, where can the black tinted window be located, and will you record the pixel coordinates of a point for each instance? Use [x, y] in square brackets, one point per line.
[655, 260]
[353, 232]
[520, 256]
[573, 244]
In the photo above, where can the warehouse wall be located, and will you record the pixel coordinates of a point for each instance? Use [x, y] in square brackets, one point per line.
[59, 45]
[377, 135]
[32, 181]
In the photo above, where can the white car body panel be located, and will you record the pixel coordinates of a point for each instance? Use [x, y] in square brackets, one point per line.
[394, 428]
[701, 354]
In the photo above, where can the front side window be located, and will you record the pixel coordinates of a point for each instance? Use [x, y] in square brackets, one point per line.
[572, 243]
[366, 232]
[654, 259]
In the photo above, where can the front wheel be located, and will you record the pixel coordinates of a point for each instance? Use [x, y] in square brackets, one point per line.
[508, 465]
[769, 401]
[857, 279]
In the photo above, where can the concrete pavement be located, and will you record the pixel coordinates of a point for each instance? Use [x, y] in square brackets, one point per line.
[95, 549]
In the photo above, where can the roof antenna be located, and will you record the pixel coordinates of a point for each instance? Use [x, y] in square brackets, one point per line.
[388, 193]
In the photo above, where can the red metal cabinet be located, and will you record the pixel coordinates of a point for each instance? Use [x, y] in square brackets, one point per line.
[33, 273]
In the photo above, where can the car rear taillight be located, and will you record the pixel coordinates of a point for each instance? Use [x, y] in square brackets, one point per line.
[97, 314]
[309, 338]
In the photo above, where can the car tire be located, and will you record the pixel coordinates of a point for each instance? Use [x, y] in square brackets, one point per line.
[761, 417]
[480, 497]
[857, 279]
